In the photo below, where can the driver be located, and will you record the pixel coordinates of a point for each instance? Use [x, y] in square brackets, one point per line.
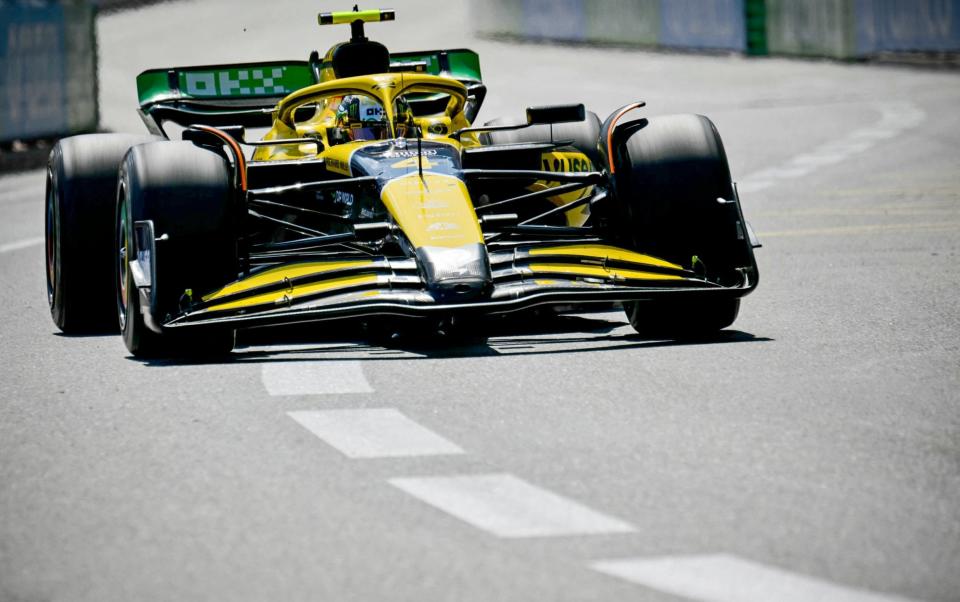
[360, 117]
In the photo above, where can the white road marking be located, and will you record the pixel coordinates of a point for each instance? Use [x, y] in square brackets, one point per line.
[314, 378]
[507, 506]
[816, 160]
[726, 578]
[21, 244]
[895, 119]
[375, 433]
[873, 134]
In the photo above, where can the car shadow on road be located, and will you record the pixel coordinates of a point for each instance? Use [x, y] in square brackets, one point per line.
[523, 335]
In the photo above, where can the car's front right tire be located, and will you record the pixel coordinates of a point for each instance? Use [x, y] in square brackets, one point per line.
[671, 172]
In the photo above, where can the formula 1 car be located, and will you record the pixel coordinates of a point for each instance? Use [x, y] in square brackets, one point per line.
[372, 194]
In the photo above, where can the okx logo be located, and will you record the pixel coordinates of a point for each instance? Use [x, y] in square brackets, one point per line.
[235, 82]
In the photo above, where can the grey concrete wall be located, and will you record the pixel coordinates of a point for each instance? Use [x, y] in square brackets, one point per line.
[48, 79]
[810, 27]
[830, 28]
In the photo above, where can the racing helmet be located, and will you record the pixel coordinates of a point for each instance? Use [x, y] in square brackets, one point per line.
[360, 117]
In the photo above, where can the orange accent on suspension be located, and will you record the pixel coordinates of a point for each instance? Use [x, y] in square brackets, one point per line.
[238, 154]
[613, 124]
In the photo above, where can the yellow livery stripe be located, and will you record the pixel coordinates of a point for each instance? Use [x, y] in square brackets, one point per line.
[284, 297]
[277, 275]
[604, 252]
[599, 272]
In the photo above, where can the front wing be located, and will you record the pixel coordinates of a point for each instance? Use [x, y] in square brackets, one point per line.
[523, 277]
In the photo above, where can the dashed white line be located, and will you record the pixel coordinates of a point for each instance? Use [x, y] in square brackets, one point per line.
[314, 378]
[508, 506]
[726, 578]
[21, 244]
[374, 433]
[895, 119]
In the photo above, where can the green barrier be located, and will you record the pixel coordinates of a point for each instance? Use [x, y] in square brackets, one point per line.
[756, 25]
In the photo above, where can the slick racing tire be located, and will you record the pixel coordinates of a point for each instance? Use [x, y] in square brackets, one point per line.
[671, 171]
[678, 320]
[584, 134]
[80, 191]
[186, 192]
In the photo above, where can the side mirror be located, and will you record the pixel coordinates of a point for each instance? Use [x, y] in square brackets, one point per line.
[535, 116]
[555, 114]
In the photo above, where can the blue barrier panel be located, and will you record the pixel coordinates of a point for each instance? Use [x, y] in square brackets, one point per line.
[554, 19]
[704, 24]
[904, 25]
[32, 57]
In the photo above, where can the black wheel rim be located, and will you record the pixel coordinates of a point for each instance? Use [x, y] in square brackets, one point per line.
[123, 261]
[51, 230]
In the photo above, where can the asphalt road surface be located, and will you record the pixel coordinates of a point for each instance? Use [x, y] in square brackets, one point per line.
[811, 452]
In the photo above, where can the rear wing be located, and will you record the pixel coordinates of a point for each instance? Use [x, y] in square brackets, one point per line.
[460, 64]
[253, 82]
[245, 93]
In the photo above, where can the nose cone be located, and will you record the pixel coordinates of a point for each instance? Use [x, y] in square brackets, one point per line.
[456, 273]
[432, 211]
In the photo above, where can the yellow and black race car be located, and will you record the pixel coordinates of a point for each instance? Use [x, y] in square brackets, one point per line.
[373, 195]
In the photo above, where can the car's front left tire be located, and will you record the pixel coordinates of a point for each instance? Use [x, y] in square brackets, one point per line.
[187, 193]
